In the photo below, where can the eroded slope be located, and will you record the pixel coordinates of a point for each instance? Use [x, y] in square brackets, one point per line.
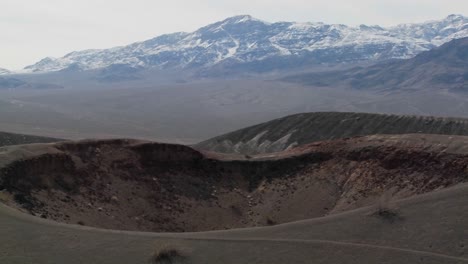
[296, 130]
[135, 185]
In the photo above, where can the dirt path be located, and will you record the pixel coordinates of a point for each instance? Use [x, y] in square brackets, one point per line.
[338, 243]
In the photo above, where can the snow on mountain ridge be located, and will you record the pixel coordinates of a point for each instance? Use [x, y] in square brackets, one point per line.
[244, 39]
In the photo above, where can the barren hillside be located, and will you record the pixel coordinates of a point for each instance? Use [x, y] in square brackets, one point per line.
[296, 130]
[136, 185]
[7, 139]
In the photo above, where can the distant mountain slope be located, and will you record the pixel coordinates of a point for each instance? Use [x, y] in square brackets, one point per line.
[15, 83]
[300, 129]
[444, 67]
[8, 139]
[9, 83]
[4, 71]
[243, 42]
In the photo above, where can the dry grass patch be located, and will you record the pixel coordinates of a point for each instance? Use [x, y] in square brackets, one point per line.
[386, 209]
[169, 254]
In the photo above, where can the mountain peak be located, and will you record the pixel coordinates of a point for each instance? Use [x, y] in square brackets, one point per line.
[241, 19]
[246, 40]
[454, 17]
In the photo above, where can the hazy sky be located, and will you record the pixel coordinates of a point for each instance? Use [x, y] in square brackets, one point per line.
[31, 30]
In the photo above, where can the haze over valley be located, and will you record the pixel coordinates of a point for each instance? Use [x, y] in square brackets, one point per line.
[236, 73]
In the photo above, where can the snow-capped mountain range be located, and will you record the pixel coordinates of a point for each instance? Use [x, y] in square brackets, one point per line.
[244, 40]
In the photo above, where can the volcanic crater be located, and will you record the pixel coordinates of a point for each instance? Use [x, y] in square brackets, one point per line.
[145, 186]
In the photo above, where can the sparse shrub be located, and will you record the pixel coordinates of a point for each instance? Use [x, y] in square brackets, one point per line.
[270, 221]
[26, 201]
[236, 210]
[168, 254]
[386, 209]
[20, 198]
[387, 213]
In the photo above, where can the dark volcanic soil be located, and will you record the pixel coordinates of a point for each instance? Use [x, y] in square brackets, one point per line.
[301, 129]
[136, 185]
